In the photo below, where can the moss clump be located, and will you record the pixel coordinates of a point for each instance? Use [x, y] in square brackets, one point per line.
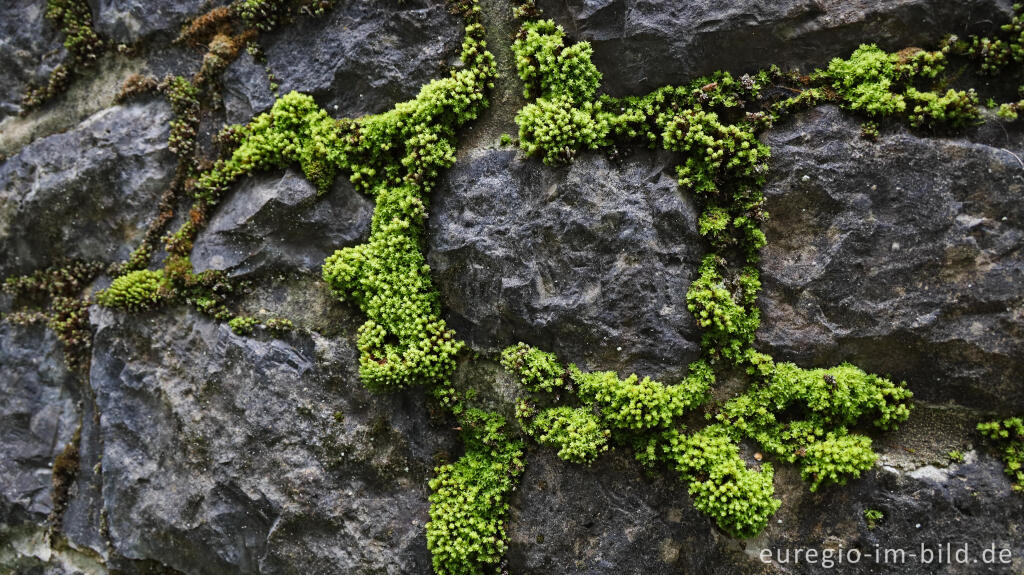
[537, 370]
[801, 416]
[243, 325]
[395, 157]
[1008, 436]
[74, 19]
[577, 433]
[138, 290]
[55, 296]
[267, 15]
[879, 84]
[738, 498]
[641, 404]
[873, 517]
[466, 532]
[995, 54]
[729, 317]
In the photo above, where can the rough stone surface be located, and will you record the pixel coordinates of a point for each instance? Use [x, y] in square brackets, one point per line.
[246, 90]
[701, 37]
[612, 518]
[901, 256]
[127, 21]
[87, 193]
[30, 48]
[38, 417]
[232, 454]
[277, 222]
[364, 56]
[591, 261]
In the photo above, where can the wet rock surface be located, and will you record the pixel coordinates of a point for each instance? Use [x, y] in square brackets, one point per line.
[701, 37]
[30, 48]
[276, 222]
[364, 56]
[591, 261]
[38, 417]
[127, 21]
[224, 453]
[902, 256]
[88, 193]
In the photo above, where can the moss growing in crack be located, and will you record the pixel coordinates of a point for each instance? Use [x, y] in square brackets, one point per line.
[879, 84]
[243, 325]
[1008, 437]
[266, 15]
[395, 157]
[577, 433]
[995, 54]
[138, 290]
[538, 371]
[639, 404]
[74, 19]
[468, 500]
[55, 296]
[726, 311]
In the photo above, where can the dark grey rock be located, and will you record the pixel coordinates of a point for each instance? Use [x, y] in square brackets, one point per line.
[38, 417]
[127, 21]
[613, 518]
[901, 256]
[246, 90]
[30, 48]
[364, 55]
[277, 222]
[87, 193]
[591, 261]
[644, 44]
[229, 454]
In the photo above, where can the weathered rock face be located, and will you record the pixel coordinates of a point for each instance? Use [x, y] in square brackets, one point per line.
[591, 261]
[87, 193]
[225, 454]
[30, 48]
[611, 518]
[901, 256]
[38, 417]
[360, 58]
[277, 222]
[701, 37]
[202, 451]
[127, 21]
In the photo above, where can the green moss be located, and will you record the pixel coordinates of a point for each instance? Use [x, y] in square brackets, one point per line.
[1008, 437]
[873, 517]
[538, 371]
[738, 498]
[995, 54]
[468, 500]
[879, 84]
[138, 290]
[576, 432]
[728, 317]
[74, 19]
[55, 296]
[243, 325]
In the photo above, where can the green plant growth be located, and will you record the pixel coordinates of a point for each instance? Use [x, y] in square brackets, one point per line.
[956, 456]
[54, 296]
[800, 416]
[74, 19]
[873, 517]
[138, 290]
[395, 157]
[466, 533]
[1008, 437]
